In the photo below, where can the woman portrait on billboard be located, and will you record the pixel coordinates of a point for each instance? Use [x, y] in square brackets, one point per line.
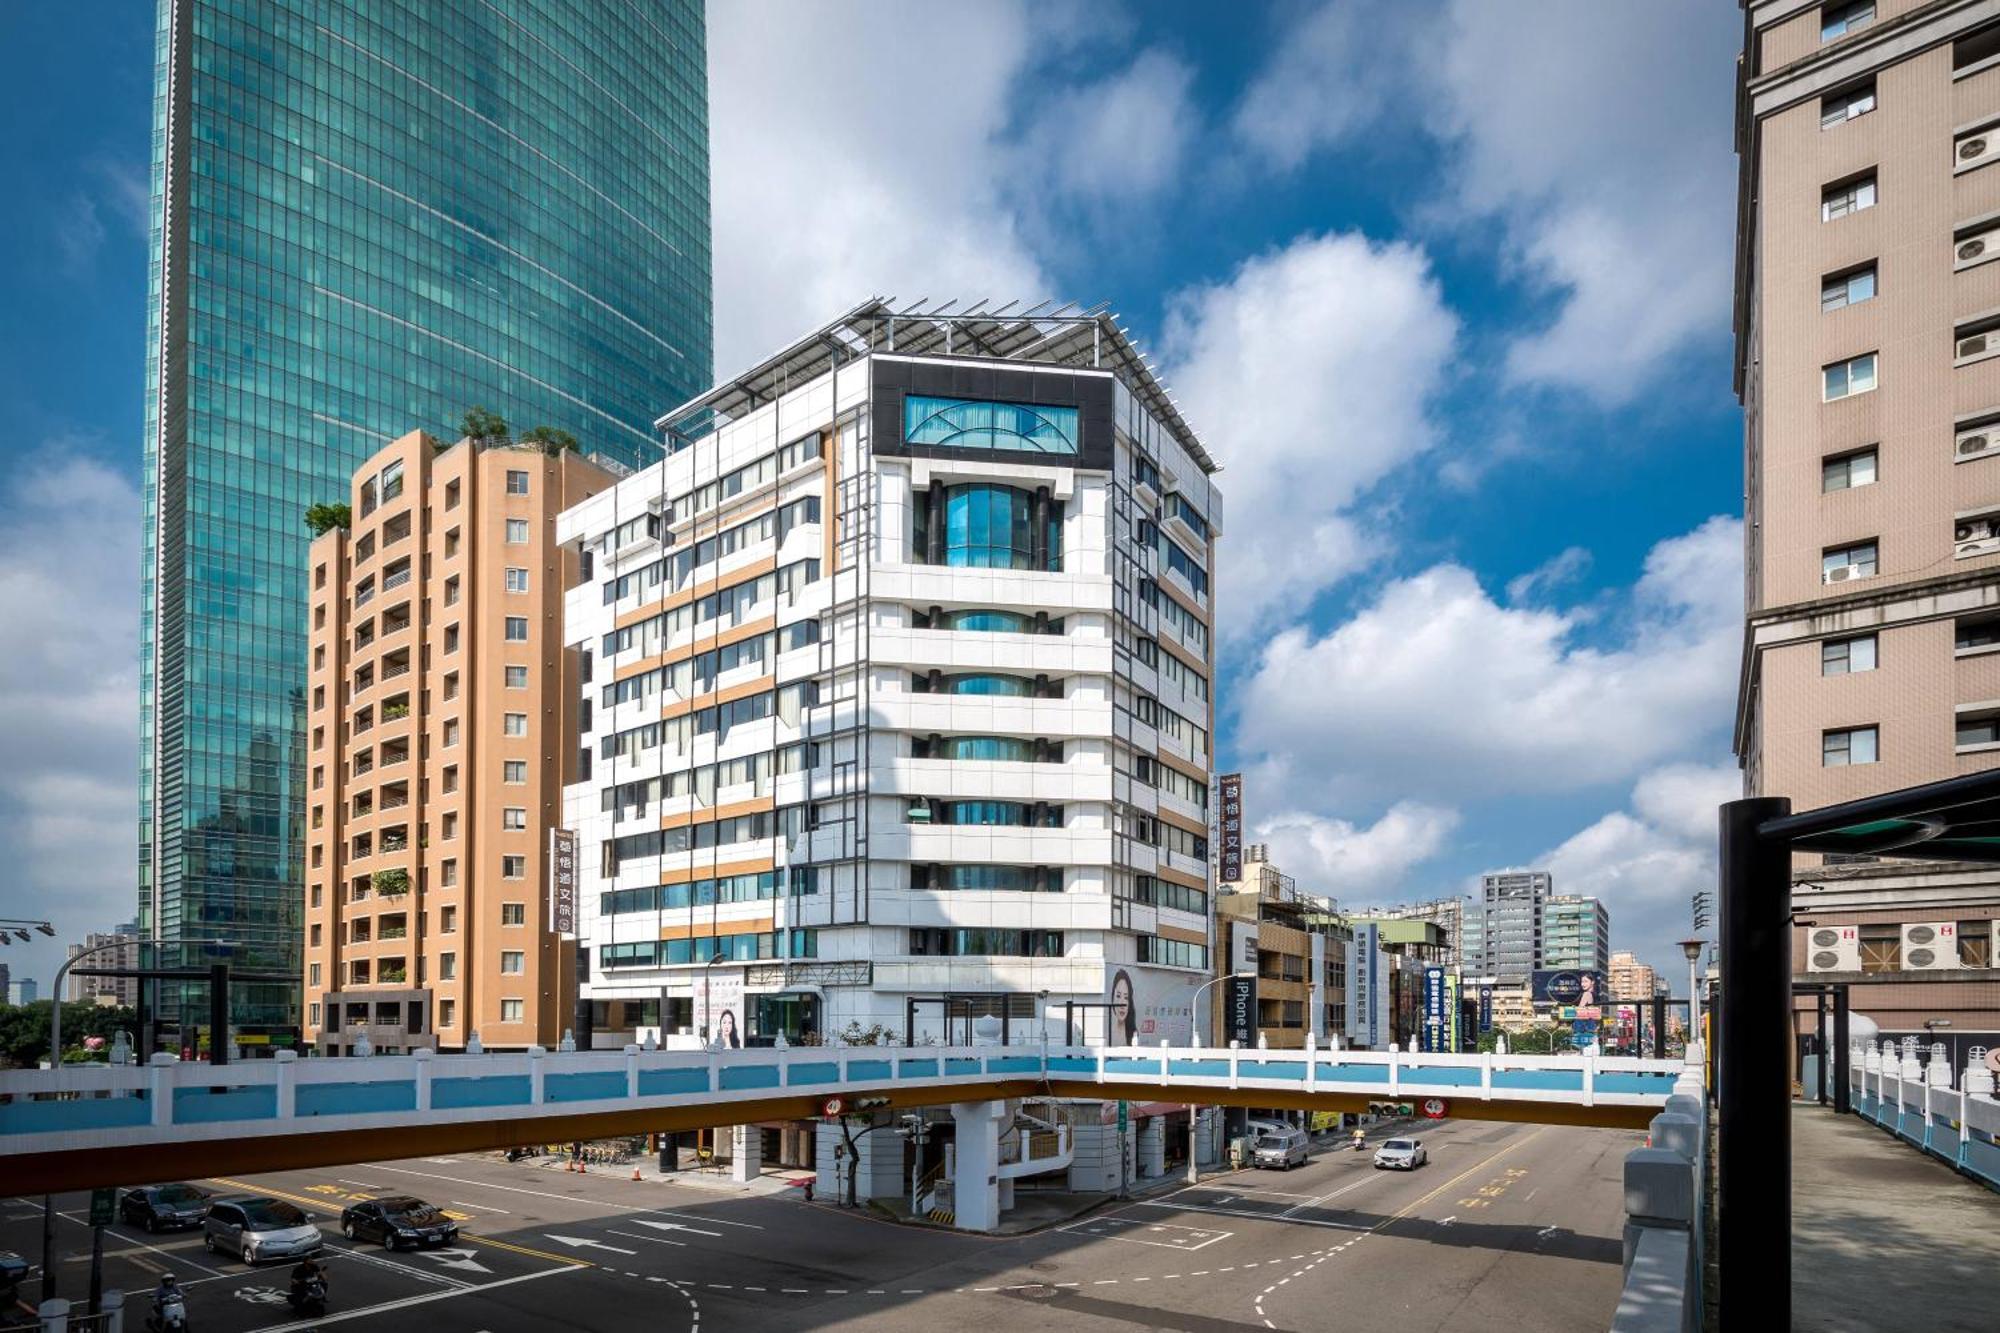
[1124, 1011]
[725, 1031]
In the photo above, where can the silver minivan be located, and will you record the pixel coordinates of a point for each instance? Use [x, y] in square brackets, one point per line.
[1279, 1147]
[257, 1228]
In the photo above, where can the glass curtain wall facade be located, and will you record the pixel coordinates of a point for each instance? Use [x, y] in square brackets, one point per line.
[368, 217]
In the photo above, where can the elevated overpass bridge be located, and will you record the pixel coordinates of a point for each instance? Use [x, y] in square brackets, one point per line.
[79, 1127]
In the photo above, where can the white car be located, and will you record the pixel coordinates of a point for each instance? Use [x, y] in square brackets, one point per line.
[1401, 1155]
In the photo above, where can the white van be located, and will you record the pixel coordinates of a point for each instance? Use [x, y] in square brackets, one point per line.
[1279, 1147]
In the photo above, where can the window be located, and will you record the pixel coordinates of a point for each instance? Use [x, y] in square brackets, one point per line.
[517, 676]
[517, 483]
[985, 526]
[1837, 20]
[1843, 657]
[1978, 728]
[513, 867]
[448, 873]
[1844, 379]
[1978, 634]
[510, 1011]
[1851, 196]
[517, 531]
[313, 980]
[514, 772]
[1975, 50]
[1840, 563]
[513, 962]
[514, 817]
[1838, 108]
[447, 1013]
[447, 920]
[514, 724]
[451, 638]
[1848, 471]
[449, 779]
[958, 423]
[513, 914]
[1839, 290]
[450, 732]
[1853, 745]
[517, 578]
[452, 491]
[517, 626]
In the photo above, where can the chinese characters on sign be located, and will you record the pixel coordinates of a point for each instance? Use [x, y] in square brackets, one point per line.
[1230, 826]
[562, 881]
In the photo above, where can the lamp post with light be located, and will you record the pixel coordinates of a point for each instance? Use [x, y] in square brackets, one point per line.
[1691, 950]
[1194, 1168]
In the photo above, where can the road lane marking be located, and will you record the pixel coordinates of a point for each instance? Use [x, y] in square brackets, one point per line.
[529, 1250]
[570, 1198]
[1262, 1217]
[675, 1226]
[482, 1207]
[406, 1302]
[657, 1240]
[585, 1243]
[184, 1262]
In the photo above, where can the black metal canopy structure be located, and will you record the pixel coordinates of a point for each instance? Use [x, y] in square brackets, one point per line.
[1957, 819]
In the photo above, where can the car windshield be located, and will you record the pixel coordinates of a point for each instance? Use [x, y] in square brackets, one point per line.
[1399, 1145]
[412, 1213]
[271, 1213]
[179, 1194]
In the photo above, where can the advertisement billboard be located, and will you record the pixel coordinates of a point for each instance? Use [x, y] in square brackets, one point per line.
[1316, 989]
[1229, 826]
[718, 1005]
[1367, 988]
[1568, 986]
[1438, 1003]
[562, 882]
[1151, 1005]
[1485, 1008]
[1239, 1014]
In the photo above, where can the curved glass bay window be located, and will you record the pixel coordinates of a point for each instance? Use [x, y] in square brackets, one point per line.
[981, 525]
[993, 879]
[994, 814]
[992, 683]
[946, 943]
[989, 622]
[1007, 749]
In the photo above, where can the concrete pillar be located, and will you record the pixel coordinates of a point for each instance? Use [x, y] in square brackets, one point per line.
[54, 1314]
[1007, 1194]
[878, 1176]
[1152, 1146]
[113, 1305]
[746, 1153]
[976, 1171]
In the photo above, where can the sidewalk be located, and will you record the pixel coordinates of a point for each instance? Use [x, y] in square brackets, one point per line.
[773, 1180]
[1884, 1237]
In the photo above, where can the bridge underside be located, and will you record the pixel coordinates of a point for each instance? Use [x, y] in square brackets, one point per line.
[194, 1158]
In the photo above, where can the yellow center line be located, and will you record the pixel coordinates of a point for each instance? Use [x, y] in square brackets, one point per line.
[326, 1207]
[1478, 1166]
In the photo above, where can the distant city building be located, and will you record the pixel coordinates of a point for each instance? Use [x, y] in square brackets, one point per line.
[1508, 932]
[23, 991]
[1299, 949]
[442, 717]
[367, 217]
[1448, 948]
[1576, 934]
[6, 980]
[1631, 979]
[119, 949]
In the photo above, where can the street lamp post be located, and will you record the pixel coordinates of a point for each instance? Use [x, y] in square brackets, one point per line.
[1691, 950]
[1194, 1167]
[55, 1008]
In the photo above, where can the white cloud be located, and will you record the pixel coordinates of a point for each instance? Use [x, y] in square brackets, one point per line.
[1323, 851]
[1646, 862]
[1553, 574]
[1312, 368]
[69, 558]
[1614, 197]
[1122, 136]
[1437, 691]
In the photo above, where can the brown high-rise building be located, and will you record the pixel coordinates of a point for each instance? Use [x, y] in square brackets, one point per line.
[1868, 363]
[441, 726]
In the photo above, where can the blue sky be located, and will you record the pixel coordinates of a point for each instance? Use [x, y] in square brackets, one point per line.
[1445, 286]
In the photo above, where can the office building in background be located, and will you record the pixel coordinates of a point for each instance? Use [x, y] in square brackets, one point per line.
[1868, 365]
[114, 949]
[1576, 933]
[1503, 930]
[441, 724]
[367, 218]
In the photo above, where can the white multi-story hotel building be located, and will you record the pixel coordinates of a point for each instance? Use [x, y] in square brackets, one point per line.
[897, 702]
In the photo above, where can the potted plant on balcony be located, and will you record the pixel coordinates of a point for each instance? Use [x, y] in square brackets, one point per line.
[392, 883]
[391, 712]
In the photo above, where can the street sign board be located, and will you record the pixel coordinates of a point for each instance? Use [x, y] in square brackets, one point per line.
[562, 882]
[1436, 1108]
[1124, 1114]
[833, 1105]
[103, 1207]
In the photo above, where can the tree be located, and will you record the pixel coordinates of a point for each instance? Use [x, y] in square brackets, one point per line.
[553, 441]
[1529, 1041]
[392, 883]
[321, 517]
[24, 1029]
[483, 426]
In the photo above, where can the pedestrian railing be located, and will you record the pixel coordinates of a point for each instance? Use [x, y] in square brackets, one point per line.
[1916, 1095]
[1665, 1223]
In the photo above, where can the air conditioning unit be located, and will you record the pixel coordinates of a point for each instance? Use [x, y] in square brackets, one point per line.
[1975, 536]
[1930, 946]
[1833, 949]
[1977, 345]
[1993, 946]
[1972, 151]
[1841, 574]
[1976, 249]
[1976, 442]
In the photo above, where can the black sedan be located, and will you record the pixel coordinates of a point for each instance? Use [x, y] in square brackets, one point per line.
[164, 1207]
[397, 1222]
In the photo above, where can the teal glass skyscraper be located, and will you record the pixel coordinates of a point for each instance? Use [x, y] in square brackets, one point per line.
[369, 216]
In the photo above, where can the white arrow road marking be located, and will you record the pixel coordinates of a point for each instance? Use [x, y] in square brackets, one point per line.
[582, 1243]
[1546, 1232]
[673, 1226]
[454, 1257]
[1447, 1221]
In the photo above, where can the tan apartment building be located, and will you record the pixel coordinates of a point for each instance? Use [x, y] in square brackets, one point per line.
[442, 723]
[1631, 979]
[1868, 364]
[1296, 945]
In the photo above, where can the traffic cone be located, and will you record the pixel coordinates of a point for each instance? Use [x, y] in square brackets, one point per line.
[635, 1173]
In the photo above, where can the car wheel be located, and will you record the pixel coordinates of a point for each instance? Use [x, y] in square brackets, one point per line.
[347, 1230]
[249, 1255]
[208, 1242]
[152, 1225]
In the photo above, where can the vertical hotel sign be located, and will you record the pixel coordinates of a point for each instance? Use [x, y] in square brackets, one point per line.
[562, 881]
[1229, 825]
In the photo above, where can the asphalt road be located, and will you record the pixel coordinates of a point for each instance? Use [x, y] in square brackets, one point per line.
[1508, 1226]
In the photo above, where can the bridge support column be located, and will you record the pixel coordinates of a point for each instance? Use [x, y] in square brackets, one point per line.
[1152, 1146]
[746, 1153]
[976, 1178]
